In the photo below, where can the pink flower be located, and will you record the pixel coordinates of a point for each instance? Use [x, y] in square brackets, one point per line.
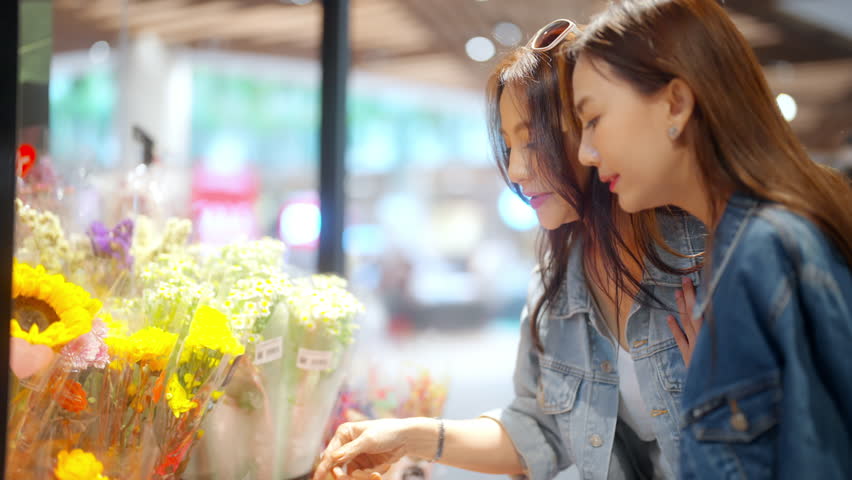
[87, 350]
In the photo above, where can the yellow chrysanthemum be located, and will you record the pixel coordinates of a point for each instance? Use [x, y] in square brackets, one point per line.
[153, 347]
[150, 346]
[209, 330]
[78, 465]
[55, 311]
[120, 351]
[114, 327]
[178, 400]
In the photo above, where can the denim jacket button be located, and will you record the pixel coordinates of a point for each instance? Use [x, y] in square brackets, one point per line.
[606, 367]
[595, 440]
[739, 422]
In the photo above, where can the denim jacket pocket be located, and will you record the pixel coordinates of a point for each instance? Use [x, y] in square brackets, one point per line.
[669, 366]
[557, 386]
[735, 431]
[739, 416]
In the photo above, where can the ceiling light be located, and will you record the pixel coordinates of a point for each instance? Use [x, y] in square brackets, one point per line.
[480, 49]
[788, 106]
[299, 224]
[508, 34]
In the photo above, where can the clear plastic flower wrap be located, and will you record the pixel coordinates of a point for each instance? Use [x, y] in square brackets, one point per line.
[123, 340]
[273, 415]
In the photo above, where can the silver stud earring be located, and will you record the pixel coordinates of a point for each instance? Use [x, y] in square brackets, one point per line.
[673, 131]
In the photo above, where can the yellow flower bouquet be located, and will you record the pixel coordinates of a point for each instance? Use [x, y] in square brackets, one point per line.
[130, 382]
[207, 356]
[119, 386]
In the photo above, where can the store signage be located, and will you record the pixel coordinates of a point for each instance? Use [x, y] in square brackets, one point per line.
[26, 159]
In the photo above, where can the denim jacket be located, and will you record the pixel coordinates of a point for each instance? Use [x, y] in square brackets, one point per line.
[565, 409]
[769, 390]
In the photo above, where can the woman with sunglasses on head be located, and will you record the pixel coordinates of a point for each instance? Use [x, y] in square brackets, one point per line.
[676, 110]
[592, 388]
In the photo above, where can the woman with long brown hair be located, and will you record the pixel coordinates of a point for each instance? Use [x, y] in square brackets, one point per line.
[675, 110]
[599, 372]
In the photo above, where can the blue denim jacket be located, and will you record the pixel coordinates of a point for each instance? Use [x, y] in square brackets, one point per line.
[565, 409]
[769, 390]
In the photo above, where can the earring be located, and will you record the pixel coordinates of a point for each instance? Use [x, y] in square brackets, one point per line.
[673, 131]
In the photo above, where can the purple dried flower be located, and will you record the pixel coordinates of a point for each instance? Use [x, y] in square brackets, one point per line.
[113, 243]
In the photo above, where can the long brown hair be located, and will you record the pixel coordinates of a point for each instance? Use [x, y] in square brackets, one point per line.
[742, 142]
[544, 79]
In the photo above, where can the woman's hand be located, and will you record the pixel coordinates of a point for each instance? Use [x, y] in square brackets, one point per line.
[687, 336]
[366, 448]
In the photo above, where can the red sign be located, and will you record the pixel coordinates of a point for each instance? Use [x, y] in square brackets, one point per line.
[26, 159]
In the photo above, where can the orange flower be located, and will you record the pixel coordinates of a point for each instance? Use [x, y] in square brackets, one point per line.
[71, 396]
[172, 461]
[158, 388]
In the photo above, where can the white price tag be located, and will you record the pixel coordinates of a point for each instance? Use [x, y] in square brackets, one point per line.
[313, 359]
[269, 350]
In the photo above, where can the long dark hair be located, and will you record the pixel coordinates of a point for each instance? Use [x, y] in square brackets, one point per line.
[741, 140]
[544, 79]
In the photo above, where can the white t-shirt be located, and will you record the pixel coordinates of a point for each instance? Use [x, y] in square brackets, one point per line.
[632, 408]
[633, 411]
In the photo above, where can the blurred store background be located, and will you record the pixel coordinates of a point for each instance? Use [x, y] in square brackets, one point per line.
[210, 109]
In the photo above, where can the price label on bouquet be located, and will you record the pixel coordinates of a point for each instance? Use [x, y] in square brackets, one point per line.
[269, 350]
[313, 359]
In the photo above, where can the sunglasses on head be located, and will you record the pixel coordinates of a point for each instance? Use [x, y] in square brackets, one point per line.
[551, 34]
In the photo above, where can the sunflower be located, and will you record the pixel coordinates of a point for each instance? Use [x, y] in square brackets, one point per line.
[47, 309]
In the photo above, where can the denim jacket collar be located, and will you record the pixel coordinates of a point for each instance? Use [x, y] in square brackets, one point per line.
[738, 212]
[684, 235]
[680, 234]
[578, 298]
